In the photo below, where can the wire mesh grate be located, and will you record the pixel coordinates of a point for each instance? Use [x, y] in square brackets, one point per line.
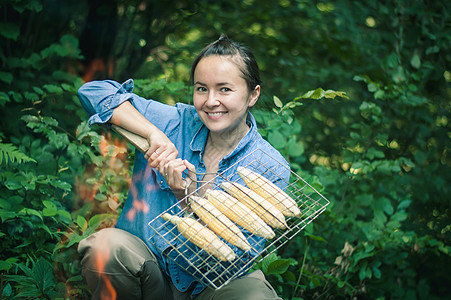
[208, 268]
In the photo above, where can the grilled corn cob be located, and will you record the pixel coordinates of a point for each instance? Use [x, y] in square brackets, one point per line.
[239, 213]
[218, 222]
[271, 192]
[201, 236]
[263, 208]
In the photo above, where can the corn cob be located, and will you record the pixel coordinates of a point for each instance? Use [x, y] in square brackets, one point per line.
[271, 192]
[239, 213]
[218, 222]
[201, 236]
[263, 208]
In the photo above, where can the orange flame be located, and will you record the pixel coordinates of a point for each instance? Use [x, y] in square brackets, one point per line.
[114, 153]
[108, 292]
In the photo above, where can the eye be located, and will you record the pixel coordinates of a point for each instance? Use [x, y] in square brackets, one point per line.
[225, 89]
[201, 89]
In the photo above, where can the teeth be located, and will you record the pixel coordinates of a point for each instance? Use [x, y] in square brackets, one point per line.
[215, 114]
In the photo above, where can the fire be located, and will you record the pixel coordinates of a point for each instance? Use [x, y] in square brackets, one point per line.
[108, 178]
[108, 292]
[114, 165]
[137, 204]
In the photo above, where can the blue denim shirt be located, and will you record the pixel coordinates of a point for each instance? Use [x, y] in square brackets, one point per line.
[149, 194]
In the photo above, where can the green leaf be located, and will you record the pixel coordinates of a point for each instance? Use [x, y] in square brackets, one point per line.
[399, 75]
[415, 61]
[7, 264]
[279, 266]
[30, 211]
[65, 216]
[6, 77]
[10, 30]
[374, 153]
[404, 204]
[81, 222]
[399, 217]
[61, 185]
[295, 149]
[98, 219]
[358, 78]
[277, 102]
[276, 139]
[38, 90]
[10, 153]
[377, 273]
[432, 50]
[362, 273]
[50, 209]
[51, 88]
[386, 205]
[268, 260]
[319, 93]
[43, 276]
[379, 94]
[316, 238]
[372, 87]
[7, 290]
[4, 98]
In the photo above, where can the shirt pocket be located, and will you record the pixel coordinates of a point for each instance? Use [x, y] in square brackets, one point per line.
[161, 181]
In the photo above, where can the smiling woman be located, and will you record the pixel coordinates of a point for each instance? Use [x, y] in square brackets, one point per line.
[222, 98]
[188, 145]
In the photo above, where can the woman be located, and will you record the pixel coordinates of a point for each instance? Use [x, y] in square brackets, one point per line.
[206, 138]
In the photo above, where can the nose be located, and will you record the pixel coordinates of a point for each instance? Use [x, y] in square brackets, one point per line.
[213, 99]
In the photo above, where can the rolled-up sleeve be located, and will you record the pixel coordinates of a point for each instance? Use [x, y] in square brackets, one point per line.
[99, 98]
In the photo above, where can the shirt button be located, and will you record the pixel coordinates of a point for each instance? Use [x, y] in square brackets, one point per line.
[161, 182]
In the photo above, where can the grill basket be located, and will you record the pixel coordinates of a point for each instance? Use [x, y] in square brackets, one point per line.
[208, 269]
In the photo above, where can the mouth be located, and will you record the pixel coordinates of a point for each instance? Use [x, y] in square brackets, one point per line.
[215, 115]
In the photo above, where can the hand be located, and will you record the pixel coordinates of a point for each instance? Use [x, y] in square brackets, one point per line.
[172, 171]
[161, 149]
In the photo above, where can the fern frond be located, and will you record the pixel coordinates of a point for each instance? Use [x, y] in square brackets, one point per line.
[10, 153]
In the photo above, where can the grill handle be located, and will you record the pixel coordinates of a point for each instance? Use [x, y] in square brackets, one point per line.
[136, 140]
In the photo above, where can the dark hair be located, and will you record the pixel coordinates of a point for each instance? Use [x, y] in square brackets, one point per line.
[225, 47]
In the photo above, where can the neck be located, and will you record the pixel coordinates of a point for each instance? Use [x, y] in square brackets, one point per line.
[224, 143]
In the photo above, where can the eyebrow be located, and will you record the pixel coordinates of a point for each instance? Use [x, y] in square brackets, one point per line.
[218, 84]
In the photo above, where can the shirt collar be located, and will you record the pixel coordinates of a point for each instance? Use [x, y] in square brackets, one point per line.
[200, 137]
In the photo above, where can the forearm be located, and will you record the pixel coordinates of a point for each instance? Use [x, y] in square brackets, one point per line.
[129, 118]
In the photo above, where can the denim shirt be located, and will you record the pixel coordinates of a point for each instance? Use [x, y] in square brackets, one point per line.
[149, 194]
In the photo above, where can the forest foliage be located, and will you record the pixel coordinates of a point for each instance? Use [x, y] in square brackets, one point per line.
[380, 154]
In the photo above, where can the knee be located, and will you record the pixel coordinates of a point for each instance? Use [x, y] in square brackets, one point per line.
[102, 243]
[113, 249]
[102, 249]
[251, 287]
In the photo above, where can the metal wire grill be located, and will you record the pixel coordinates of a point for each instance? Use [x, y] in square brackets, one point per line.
[210, 270]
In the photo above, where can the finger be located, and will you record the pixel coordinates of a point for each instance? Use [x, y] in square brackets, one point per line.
[191, 169]
[173, 175]
[171, 166]
[164, 158]
[151, 154]
[156, 158]
[171, 155]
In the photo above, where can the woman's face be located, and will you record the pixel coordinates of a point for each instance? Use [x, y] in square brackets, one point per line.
[221, 96]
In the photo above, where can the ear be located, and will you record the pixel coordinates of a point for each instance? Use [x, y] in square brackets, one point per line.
[254, 96]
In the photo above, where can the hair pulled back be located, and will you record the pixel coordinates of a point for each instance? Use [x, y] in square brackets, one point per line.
[225, 47]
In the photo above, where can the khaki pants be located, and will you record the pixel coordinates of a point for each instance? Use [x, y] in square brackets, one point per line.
[119, 265]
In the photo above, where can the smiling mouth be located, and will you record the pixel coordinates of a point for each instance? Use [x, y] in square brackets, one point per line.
[215, 114]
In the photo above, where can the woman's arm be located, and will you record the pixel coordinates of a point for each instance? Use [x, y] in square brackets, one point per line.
[110, 102]
[161, 148]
